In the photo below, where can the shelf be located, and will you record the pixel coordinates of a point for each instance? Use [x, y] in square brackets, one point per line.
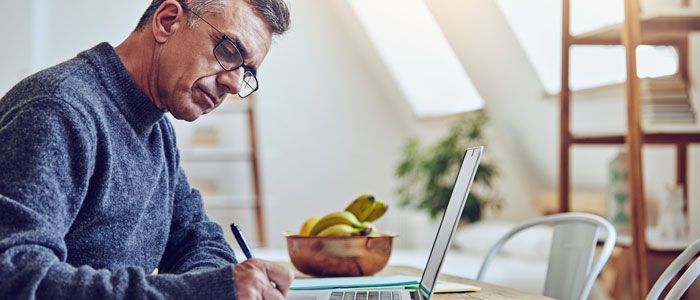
[655, 241]
[209, 154]
[667, 29]
[670, 138]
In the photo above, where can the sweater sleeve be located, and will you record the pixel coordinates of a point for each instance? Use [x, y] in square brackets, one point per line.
[195, 242]
[46, 151]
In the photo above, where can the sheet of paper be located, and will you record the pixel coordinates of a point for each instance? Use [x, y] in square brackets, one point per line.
[454, 287]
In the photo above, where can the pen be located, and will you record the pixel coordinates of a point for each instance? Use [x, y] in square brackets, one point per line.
[244, 245]
[241, 240]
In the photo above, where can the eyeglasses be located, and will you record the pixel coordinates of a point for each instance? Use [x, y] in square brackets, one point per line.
[230, 59]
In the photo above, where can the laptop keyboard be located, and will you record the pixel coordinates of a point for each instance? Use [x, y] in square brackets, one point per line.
[366, 295]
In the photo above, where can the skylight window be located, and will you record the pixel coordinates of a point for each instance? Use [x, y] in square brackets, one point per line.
[418, 56]
[537, 25]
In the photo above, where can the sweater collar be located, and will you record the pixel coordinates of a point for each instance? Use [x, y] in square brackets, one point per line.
[137, 108]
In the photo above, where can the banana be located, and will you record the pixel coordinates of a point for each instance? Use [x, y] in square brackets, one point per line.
[361, 206]
[308, 224]
[344, 230]
[377, 212]
[334, 218]
[372, 228]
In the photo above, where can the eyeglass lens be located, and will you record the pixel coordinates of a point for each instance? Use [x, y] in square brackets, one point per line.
[228, 55]
[250, 84]
[230, 58]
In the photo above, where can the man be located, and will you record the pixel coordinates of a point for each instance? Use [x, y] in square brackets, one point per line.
[92, 196]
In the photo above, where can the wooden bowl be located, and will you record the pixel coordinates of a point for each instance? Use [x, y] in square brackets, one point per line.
[334, 256]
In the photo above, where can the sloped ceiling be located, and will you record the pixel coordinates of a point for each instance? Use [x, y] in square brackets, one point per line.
[418, 57]
[489, 51]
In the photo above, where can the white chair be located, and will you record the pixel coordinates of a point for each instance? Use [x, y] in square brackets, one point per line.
[683, 283]
[571, 271]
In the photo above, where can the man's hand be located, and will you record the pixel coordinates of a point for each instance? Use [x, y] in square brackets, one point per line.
[260, 279]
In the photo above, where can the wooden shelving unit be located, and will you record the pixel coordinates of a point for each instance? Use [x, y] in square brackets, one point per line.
[669, 30]
[219, 155]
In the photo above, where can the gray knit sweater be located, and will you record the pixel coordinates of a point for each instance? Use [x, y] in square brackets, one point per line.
[92, 196]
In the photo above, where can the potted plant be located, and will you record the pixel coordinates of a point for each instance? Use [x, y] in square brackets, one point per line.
[427, 175]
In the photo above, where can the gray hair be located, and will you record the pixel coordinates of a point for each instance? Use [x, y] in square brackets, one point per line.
[275, 12]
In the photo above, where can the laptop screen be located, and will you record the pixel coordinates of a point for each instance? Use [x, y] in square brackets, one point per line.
[450, 219]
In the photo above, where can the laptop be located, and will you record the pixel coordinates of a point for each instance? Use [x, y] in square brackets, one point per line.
[448, 225]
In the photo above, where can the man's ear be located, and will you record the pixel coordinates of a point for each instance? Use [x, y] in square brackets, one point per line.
[167, 19]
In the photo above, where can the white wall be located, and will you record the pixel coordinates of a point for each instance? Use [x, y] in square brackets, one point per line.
[326, 132]
[16, 21]
[63, 28]
[41, 33]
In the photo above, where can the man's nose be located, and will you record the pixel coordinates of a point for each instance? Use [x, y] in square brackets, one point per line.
[231, 81]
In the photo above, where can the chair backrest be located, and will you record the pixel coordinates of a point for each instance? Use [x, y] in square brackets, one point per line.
[571, 270]
[683, 283]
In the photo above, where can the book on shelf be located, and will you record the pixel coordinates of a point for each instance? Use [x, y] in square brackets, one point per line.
[670, 114]
[666, 100]
[667, 107]
[671, 82]
[665, 96]
[654, 123]
[675, 117]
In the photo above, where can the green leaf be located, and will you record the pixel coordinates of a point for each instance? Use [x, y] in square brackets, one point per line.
[426, 175]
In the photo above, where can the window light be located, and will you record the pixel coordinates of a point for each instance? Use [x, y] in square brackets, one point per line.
[418, 56]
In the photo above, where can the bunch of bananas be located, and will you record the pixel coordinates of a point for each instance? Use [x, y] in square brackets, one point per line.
[356, 219]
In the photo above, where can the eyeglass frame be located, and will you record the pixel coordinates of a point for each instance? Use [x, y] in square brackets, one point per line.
[225, 38]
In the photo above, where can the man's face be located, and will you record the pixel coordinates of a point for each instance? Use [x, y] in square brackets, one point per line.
[190, 80]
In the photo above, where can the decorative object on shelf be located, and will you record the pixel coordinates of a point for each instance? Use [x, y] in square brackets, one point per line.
[207, 186]
[618, 207]
[427, 175]
[672, 220]
[205, 136]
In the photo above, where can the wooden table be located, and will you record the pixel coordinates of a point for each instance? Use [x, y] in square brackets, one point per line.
[488, 291]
